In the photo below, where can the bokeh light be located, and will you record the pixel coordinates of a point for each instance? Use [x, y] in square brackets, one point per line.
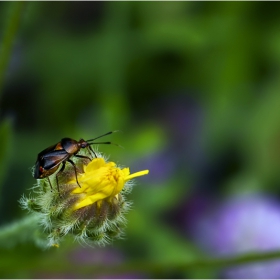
[193, 87]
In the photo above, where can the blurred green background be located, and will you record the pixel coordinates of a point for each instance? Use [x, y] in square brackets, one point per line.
[193, 86]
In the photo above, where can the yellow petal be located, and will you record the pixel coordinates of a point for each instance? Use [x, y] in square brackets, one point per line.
[101, 180]
[136, 174]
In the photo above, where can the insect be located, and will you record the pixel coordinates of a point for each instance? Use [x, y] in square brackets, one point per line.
[49, 160]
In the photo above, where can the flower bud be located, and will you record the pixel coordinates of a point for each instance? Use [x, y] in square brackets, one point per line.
[93, 210]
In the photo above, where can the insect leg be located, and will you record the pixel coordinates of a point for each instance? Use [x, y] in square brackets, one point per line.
[90, 148]
[50, 183]
[69, 160]
[80, 156]
[61, 169]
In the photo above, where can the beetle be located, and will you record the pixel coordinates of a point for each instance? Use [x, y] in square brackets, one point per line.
[49, 160]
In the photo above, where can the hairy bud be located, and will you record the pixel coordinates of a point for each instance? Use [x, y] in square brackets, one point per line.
[92, 212]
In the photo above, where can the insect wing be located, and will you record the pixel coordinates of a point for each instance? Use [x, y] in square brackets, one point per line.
[52, 159]
[46, 151]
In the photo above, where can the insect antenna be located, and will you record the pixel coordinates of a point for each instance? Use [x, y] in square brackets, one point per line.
[90, 142]
[111, 143]
[110, 132]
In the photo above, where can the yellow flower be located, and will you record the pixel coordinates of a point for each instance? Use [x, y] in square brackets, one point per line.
[101, 180]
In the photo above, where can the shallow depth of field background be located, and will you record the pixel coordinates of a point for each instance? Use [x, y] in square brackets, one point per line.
[195, 89]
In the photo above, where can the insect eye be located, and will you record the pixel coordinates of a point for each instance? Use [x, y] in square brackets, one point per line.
[41, 169]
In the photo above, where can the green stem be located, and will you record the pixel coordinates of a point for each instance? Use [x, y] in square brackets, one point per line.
[12, 25]
[213, 263]
[26, 230]
[148, 267]
[21, 231]
[207, 263]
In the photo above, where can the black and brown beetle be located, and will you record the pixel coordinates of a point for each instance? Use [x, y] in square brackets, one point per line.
[49, 160]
